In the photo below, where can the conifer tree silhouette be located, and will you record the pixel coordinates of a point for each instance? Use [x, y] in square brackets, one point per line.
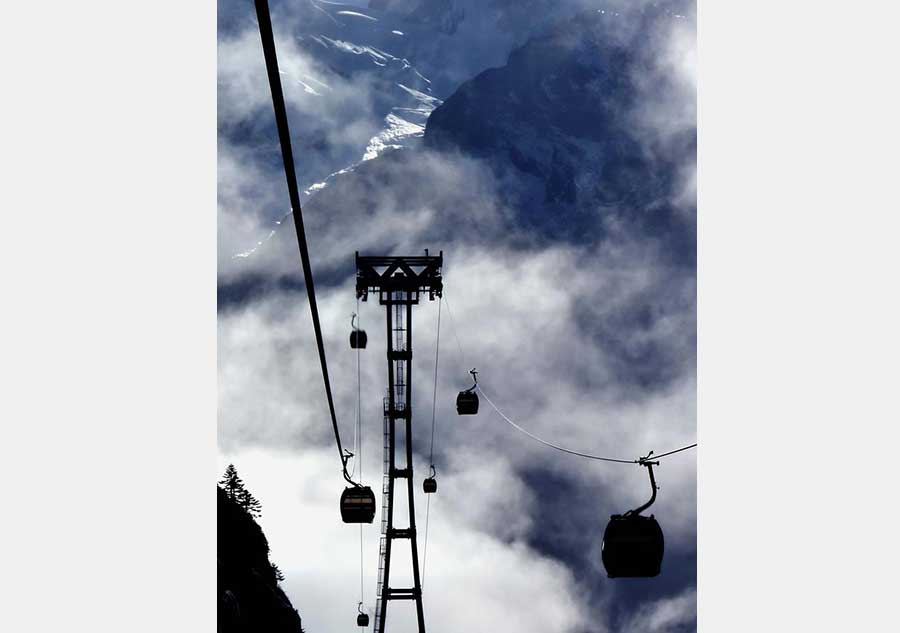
[231, 483]
[233, 486]
[249, 503]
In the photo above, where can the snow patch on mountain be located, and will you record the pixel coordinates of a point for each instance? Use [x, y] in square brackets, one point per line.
[356, 49]
[392, 137]
[357, 15]
[400, 131]
[423, 98]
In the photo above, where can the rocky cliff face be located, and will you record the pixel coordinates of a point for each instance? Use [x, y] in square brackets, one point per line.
[560, 126]
[249, 599]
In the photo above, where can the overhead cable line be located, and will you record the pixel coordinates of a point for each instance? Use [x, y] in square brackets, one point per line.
[362, 595]
[462, 354]
[425, 544]
[568, 450]
[437, 351]
[550, 444]
[284, 136]
[357, 429]
[677, 450]
[358, 442]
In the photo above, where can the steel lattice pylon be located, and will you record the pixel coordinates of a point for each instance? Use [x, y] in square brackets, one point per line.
[399, 282]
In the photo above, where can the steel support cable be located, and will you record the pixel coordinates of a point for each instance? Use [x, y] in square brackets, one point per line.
[425, 544]
[284, 136]
[550, 444]
[437, 351]
[677, 450]
[357, 446]
[357, 428]
[362, 598]
[568, 450]
[462, 354]
[359, 453]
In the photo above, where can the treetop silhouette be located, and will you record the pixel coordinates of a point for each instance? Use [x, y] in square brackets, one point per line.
[234, 487]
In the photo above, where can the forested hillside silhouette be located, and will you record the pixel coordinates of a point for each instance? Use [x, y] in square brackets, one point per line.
[249, 598]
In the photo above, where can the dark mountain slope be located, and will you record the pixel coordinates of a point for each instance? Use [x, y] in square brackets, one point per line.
[560, 125]
[249, 599]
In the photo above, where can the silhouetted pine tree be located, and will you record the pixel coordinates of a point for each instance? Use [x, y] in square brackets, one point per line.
[279, 577]
[249, 503]
[232, 484]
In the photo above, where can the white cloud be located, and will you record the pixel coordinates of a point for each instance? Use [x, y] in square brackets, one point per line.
[670, 615]
[474, 579]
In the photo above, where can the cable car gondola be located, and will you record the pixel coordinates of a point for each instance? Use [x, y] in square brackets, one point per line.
[633, 544]
[362, 620]
[358, 337]
[467, 401]
[358, 505]
[430, 484]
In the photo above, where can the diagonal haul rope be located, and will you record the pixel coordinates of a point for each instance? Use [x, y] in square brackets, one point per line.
[287, 155]
[677, 450]
[550, 444]
[568, 450]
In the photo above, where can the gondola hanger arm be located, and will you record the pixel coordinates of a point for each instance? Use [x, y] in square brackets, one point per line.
[645, 461]
[474, 373]
[344, 459]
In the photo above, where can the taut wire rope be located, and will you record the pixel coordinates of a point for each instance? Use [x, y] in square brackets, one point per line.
[357, 430]
[358, 442]
[287, 156]
[677, 450]
[568, 450]
[462, 354]
[437, 351]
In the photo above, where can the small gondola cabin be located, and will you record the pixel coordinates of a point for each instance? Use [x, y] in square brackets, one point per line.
[358, 339]
[430, 485]
[362, 620]
[358, 505]
[467, 403]
[632, 546]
